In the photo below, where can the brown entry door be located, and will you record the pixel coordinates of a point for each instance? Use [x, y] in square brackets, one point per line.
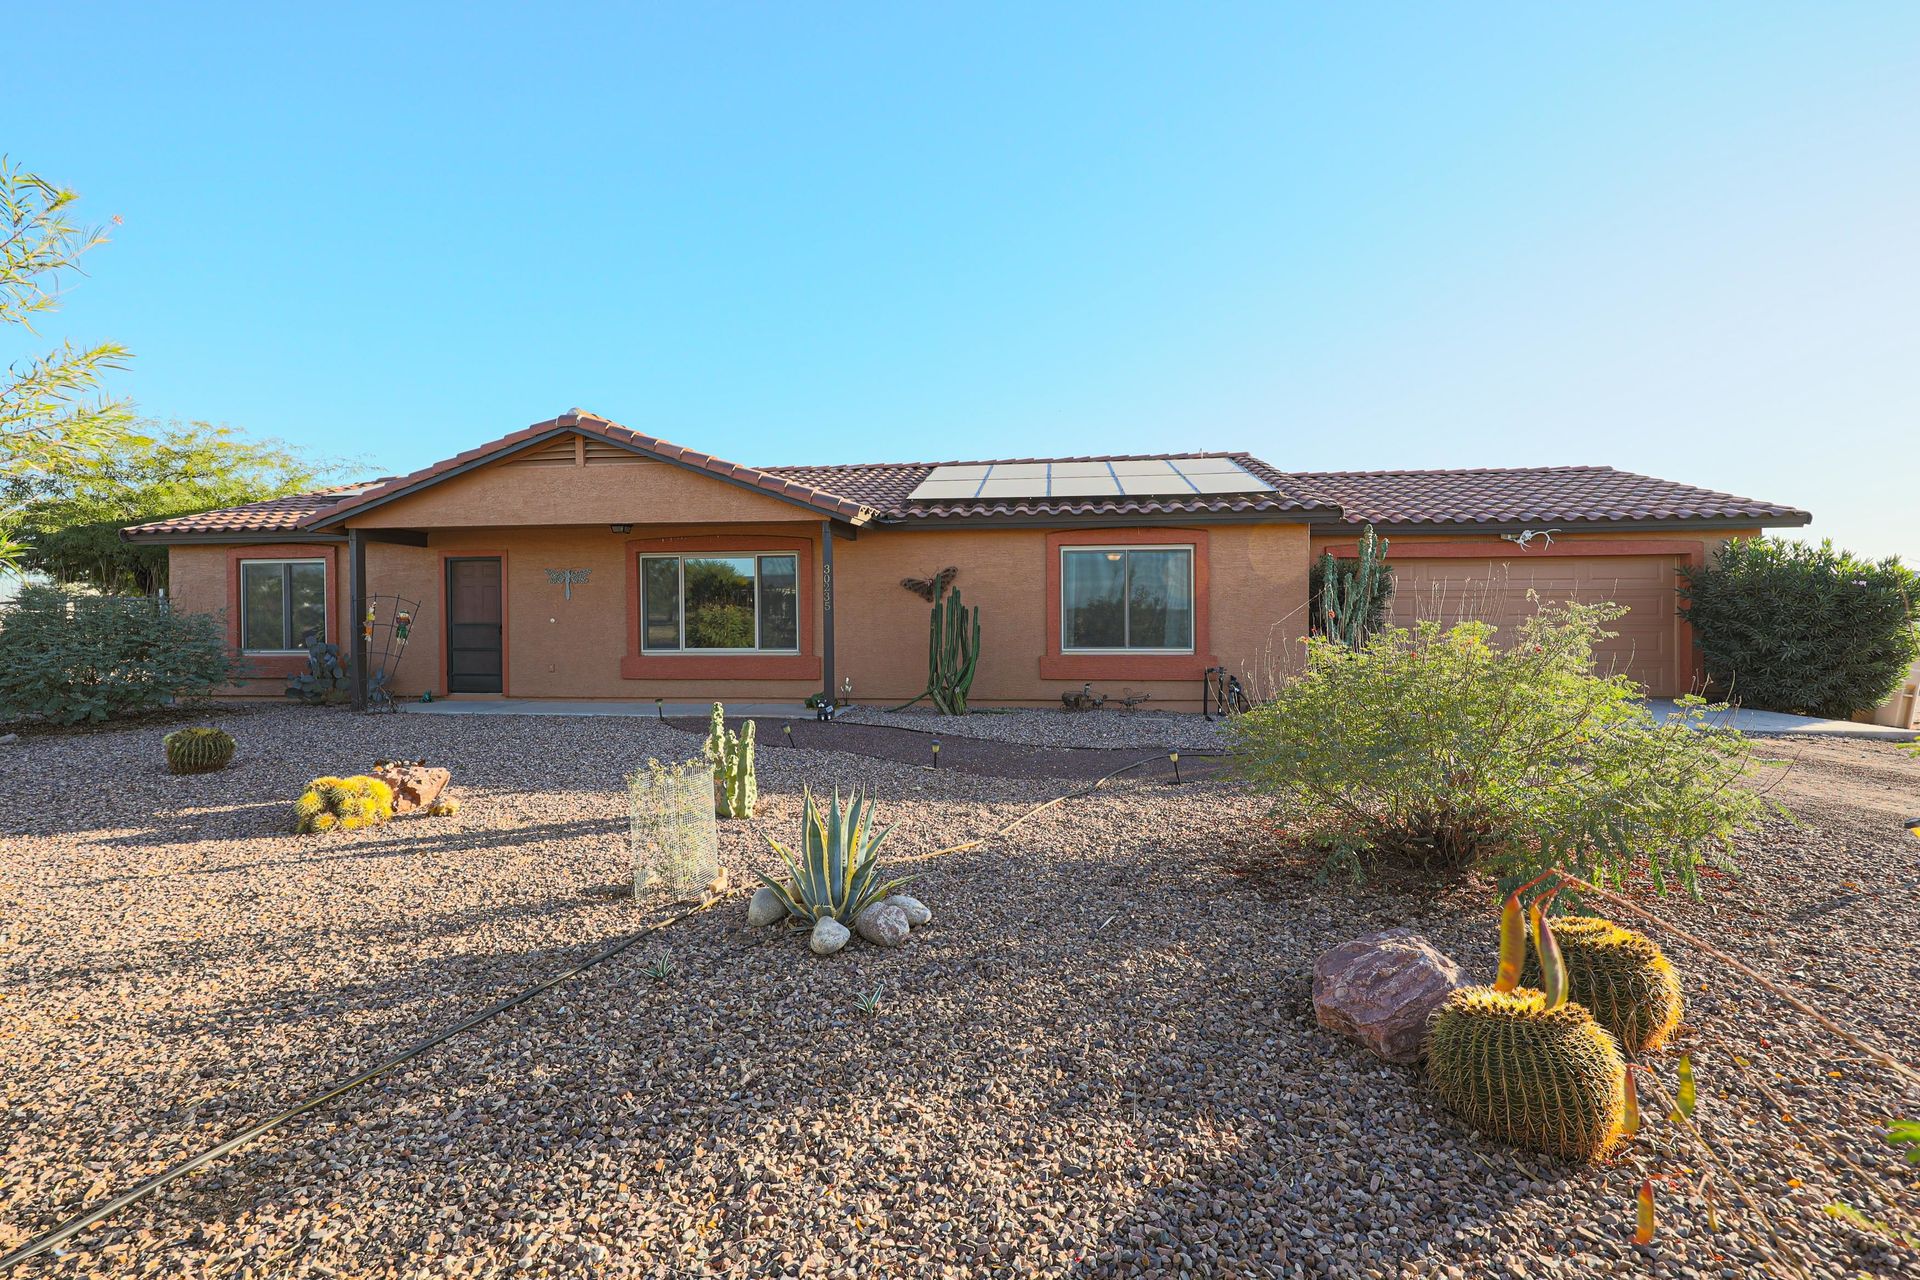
[474, 655]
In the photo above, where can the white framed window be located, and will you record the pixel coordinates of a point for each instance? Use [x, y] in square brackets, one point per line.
[720, 602]
[1126, 599]
[281, 601]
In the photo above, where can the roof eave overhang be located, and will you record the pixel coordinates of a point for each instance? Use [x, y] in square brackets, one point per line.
[1456, 528]
[236, 537]
[1102, 520]
[340, 514]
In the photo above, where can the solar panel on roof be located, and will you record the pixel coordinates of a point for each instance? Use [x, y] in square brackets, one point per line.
[1132, 477]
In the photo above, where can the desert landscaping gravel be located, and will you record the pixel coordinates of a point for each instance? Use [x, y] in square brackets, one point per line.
[1107, 727]
[1099, 1059]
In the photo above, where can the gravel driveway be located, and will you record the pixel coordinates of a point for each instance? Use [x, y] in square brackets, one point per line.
[1100, 1058]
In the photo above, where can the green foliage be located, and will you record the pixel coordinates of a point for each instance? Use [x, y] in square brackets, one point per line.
[953, 650]
[736, 788]
[326, 679]
[1621, 977]
[52, 415]
[72, 521]
[200, 749]
[1905, 1134]
[1786, 626]
[342, 804]
[835, 874]
[1435, 747]
[1350, 597]
[68, 656]
[1547, 1079]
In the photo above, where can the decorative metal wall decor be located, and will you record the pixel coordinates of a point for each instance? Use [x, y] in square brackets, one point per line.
[567, 577]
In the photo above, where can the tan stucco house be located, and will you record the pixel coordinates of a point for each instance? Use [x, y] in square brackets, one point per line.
[579, 559]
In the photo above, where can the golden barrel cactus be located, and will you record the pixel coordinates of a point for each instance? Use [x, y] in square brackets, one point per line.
[1549, 1079]
[1621, 977]
[201, 749]
[345, 804]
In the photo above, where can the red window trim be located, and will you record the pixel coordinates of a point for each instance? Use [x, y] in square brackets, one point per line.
[638, 665]
[446, 632]
[280, 666]
[1056, 665]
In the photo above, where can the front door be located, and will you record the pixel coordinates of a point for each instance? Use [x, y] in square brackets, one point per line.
[473, 625]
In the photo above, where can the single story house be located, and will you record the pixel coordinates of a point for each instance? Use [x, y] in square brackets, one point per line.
[580, 559]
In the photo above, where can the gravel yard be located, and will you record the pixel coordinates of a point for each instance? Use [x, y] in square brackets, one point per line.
[1053, 727]
[1099, 1059]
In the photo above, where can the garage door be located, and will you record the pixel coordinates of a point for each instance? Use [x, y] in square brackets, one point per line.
[1495, 591]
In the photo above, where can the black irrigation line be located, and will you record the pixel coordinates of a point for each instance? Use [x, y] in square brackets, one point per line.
[101, 1212]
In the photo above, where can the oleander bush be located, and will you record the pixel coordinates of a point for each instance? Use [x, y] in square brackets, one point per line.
[1440, 749]
[1786, 626]
[71, 656]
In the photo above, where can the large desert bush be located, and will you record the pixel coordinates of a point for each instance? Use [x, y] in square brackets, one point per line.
[1438, 748]
[1790, 627]
[69, 656]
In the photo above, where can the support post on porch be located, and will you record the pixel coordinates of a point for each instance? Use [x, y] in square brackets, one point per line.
[356, 614]
[826, 615]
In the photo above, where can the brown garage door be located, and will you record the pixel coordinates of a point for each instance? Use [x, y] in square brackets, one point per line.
[1495, 591]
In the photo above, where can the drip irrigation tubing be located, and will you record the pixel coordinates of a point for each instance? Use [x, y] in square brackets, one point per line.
[93, 1217]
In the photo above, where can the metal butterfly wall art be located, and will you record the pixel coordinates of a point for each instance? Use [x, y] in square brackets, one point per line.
[928, 588]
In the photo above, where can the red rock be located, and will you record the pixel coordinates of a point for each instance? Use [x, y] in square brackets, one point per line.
[415, 786]
[1382, 988]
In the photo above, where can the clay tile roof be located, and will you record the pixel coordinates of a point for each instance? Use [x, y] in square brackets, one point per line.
[275, 515]
[884, 486]
[1534, 495]
[594, 425]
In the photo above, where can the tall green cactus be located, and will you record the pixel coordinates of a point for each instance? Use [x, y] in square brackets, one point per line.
[1352, 602]
[953, 648]
[735, 789]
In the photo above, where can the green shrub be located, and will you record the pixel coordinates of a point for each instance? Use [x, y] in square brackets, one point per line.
[70, 657]
[1435, 747]
[1790, 627]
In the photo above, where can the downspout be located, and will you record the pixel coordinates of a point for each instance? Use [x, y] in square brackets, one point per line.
[826, 616]
[356, 614]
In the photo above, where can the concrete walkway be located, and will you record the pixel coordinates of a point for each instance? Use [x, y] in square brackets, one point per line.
[598, 707]
[1776, 723]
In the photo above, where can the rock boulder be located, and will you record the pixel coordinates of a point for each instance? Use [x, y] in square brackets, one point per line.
[415, 786]
[1382, 988]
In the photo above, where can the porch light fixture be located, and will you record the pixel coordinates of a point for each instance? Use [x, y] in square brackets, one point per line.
[620, 528]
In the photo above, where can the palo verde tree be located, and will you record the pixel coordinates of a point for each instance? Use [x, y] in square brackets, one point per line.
[53, 413]
[72, 521]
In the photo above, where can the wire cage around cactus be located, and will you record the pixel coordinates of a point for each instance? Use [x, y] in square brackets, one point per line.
[675, 839]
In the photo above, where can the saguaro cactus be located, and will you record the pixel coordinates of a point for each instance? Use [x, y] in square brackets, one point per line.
[953, 648]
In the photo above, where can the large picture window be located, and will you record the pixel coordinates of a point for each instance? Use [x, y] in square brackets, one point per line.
[1126, 599]
[281, 601]
[720, 604]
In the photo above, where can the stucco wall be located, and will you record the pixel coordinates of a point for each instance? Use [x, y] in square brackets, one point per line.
[559, 648]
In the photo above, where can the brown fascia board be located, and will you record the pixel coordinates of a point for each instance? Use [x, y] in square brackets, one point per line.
[568, 424]
[234, 537]
[1705, 524]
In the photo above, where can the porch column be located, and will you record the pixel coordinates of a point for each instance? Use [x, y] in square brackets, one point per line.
[826, 610]
[356, 614]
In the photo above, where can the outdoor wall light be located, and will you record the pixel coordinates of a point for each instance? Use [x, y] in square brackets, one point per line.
[621, 528]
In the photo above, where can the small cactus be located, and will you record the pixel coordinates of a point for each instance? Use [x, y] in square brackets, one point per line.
[736, 792]
[444, 807]
[198, 750]
[346, 804]
[1622, 978]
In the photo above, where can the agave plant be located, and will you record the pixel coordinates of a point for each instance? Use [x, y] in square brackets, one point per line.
[835, 874]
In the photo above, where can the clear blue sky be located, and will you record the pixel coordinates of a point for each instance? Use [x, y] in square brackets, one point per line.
[1677, 239]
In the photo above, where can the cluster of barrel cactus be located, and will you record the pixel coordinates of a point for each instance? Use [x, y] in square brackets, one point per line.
[343, 804]
[200, 749]
[735, 789]
[1532, 1066]
[1621, 977]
